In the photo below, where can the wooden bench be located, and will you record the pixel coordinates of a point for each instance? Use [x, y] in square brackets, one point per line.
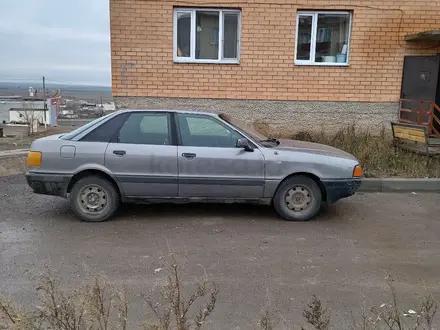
[414, 138]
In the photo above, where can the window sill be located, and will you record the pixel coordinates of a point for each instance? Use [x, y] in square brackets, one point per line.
[322, 64]
[176, 61]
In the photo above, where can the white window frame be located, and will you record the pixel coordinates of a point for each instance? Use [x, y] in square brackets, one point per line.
[314, 15]
[192, 58]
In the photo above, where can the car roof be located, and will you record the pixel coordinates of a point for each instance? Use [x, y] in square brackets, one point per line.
[169, 110]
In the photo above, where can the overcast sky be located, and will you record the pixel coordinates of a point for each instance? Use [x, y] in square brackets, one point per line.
[66, 41]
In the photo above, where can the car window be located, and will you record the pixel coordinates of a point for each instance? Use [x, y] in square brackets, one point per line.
[146, 128]
[154, 124]
[205, 131]
[105, 131]
[85, 127]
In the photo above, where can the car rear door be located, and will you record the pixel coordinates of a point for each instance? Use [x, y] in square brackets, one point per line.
[210, 164]
[143, 156]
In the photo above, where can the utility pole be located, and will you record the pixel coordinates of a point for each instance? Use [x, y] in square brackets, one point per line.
[44, 99]
[101, 108]
[44, 92]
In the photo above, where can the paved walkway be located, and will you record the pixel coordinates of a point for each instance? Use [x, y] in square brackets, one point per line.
[14, 152]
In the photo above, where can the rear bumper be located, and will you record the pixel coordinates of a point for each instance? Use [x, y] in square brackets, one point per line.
[48, 184]
[339, 189]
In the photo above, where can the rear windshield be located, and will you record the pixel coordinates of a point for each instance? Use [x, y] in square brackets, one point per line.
[81, 129]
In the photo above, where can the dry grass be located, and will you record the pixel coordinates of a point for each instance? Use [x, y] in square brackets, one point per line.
[391, 316]
[103, 306]
[96, 307]
[375, 152]
[173, 309]
[388, 316]
[317, 315]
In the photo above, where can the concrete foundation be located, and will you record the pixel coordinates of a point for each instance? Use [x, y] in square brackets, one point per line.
[284, 116]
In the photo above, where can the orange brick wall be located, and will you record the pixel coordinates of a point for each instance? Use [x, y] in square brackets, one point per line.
[142, 33]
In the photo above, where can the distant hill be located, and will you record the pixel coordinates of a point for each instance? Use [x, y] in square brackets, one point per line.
[84, 92]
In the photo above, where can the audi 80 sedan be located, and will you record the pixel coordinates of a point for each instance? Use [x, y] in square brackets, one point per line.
[186, 156]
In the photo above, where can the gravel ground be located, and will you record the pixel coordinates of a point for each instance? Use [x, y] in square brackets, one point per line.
[12, 165]
[257, 259]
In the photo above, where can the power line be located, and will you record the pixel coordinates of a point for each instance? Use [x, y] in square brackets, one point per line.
[62, 82]
[75, 84]
[37, 80]
[20, 79]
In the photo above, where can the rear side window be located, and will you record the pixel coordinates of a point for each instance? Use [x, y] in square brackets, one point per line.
[85, 127]
[146, 128]
[105, 132]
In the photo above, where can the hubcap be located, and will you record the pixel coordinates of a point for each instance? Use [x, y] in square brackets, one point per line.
[298, 198]
[93, 199]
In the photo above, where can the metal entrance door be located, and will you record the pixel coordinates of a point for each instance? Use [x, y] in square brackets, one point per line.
[419, 83]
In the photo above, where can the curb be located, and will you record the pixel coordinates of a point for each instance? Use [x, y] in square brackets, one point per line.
[13, 153]
[400, 185]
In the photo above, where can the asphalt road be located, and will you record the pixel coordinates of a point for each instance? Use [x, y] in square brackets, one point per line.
[257, 260]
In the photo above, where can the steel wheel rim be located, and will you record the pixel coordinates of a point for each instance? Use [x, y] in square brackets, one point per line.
[93, 199]
[298, 198]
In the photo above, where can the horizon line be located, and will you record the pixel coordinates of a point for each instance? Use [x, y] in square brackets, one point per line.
[53, 83]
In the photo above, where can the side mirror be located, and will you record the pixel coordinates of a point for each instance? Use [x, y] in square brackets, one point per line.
[244, 144]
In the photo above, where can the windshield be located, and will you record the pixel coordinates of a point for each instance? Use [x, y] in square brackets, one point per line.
[249, 129]
[81, 129]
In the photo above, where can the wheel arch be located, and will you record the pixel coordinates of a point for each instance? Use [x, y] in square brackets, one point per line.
[93, 172]
[312, 176]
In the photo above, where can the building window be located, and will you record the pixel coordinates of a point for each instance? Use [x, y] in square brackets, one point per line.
[322, 38]
[206, 35]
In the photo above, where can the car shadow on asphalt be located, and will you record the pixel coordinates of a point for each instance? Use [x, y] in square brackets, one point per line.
[338, 213]
[244, 212]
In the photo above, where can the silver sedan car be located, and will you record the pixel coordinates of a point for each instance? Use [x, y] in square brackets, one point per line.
[185, 156]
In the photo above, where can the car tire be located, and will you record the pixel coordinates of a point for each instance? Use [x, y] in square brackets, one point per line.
[298, 198]
[94, 199]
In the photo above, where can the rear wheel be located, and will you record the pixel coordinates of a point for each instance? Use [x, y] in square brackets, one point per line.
[94, 199]
[298, 198]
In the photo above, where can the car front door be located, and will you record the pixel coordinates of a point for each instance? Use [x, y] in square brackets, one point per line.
[210, 164]
[143, 156]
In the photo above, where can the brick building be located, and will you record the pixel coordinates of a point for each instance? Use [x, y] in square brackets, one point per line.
[293, 64]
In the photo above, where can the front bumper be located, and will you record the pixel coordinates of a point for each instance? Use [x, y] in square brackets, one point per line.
[339, 189]
[48, 184]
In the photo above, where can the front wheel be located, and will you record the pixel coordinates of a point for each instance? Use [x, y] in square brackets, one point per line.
[298, 198]
[94, 199]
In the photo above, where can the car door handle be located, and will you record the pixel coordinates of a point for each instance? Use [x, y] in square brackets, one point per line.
[119, 152]
[189, 155]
